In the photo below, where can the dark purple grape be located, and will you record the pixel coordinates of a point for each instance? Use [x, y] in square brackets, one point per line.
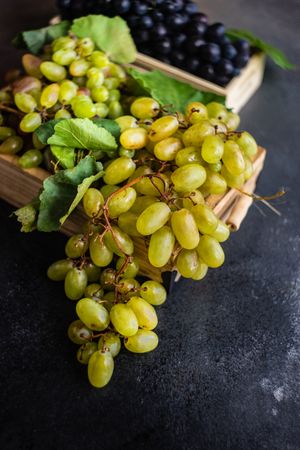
[171, 6]
[191, 8]
[192, 64]
[141, 36]
[178, 59]
[193, 44]
[147, 22]
[200, 17]
[63, 3]
[133, 21]
[159, 31]
[179, 40]
[196, 28]
[224, 40]
[228, 51]
[242, 46]
[163, 46]
[177, 20]
[240, 61]
[215, 32]
[221, 81]
[236, 72]
[206, 71]
[140, 8]
[157, 16]
[224, 68]
[122, 6]
[210, 53]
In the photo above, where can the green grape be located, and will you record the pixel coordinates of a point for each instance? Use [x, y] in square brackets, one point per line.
[248, 168]
[124, 152]
[85, 351]
[151, 187]
[93, 272]
[221, 233]
[49, 95]
[79, 68]
[62, 114]
[232, 121]
[145, 313]
[31, 64]
[83, 108]
[64, 42]
[145, 107]
[31, 158]
[233, 181]
[115, 109]
[124, 320]
[79, 333]
[126, 122]
[6, 132]
[188, 155]
[100, 369]
[100, 94]
[59, 269]
[94, 291]
[210, 251]
[53, 71]
[215, 167]
[217, 111]
[110, 341]
[205, 218]
[128, 287]
[247, 144]
[233, 158]
[67, 92]
[92, 314]
[142, 202]
[93, 202]
[195, 135]
[80, 81]
[95, 78]
[109, 300]
[215, 183]
[185, 229]
[25, 102]
[64, 57]
[167, 149]
[111, 83]
[219, 126]
[30, 122]
[118, 242]
[76, 246]
[101, 110]
[201, 271]
[193, 198]
[75, 283]
[99, 59]
[163, 128]
[119, 170]
[153, 218]
[196, 112]
[107, 190]
[5, 97]
[127, 223]
[117, 71]
[134, 138]
[121, 202]
[161, 246]
[212, 149]
[132, 267]
[85, 46]
[187, 263]
[11, 145]
[100, 254]
[114, 96]
[142, 342]
[188, 177]
[153, 292]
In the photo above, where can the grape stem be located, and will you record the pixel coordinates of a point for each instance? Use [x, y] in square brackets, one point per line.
[11, 110]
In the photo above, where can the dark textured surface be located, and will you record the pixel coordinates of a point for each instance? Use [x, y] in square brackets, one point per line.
[227, 371]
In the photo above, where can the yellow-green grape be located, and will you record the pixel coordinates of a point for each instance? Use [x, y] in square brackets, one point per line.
[6, 132]
[247, 144]
[217, 111]
[25, 102]
[83, 107]
[62, 114]
[142, 342]
[5, 97]
[124, 152]
[153, 292]
[67, 92]
[110, 341]
[112, 83]
[130, 269]
[145, 313]
[127, 223]
[232, 121]
[85, 46]
[59, 269]
[134, 138]
[201, 270]
[53, 71]
[94, 291]
[101, 110]
[78, 333]
[161, 246]
[108, 279]
[93, 272]
[128, 287]
[124, 320]
[79, 81]
[114, 96]
[215, 167]
[167, 149]
[142, 202]
[30, 122]
[115, 109]
[31, 64]
[79, 68]
[75, 283]
[99, 59]
[210, 251]
[100, 94]
[185, 229]
[221, 233]
[153, 218]
[119, 170]
[196, 112]
[118, 242]
[212, 149]
[187, 263]
[117, 71]
[188, 177]
[85, 351]
[100, 254]
[205, 218]
[100, 369]
[248, 168]
[31, 158]
[108, 189]
[193, 198]
[163, 128]
[11, 145]
[145, 107]
[195, 135]
[92, 314]
[93, 202]
[64, 42]
[219, 126]
[76, 246]
[121, 202]
[150, 187]
[127, 122]
[188, 155]
[50, 95]
[233, 158]
[96, 80]
[233, 181]
[64, 57]
[215, 183]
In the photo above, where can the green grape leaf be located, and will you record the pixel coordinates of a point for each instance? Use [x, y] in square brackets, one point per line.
[64, 155]
[82, 133]
[110, 125]
[274, 53]
[27, 216]
[34, 40]
[168, 91]
[111, 35]
[60, 190]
